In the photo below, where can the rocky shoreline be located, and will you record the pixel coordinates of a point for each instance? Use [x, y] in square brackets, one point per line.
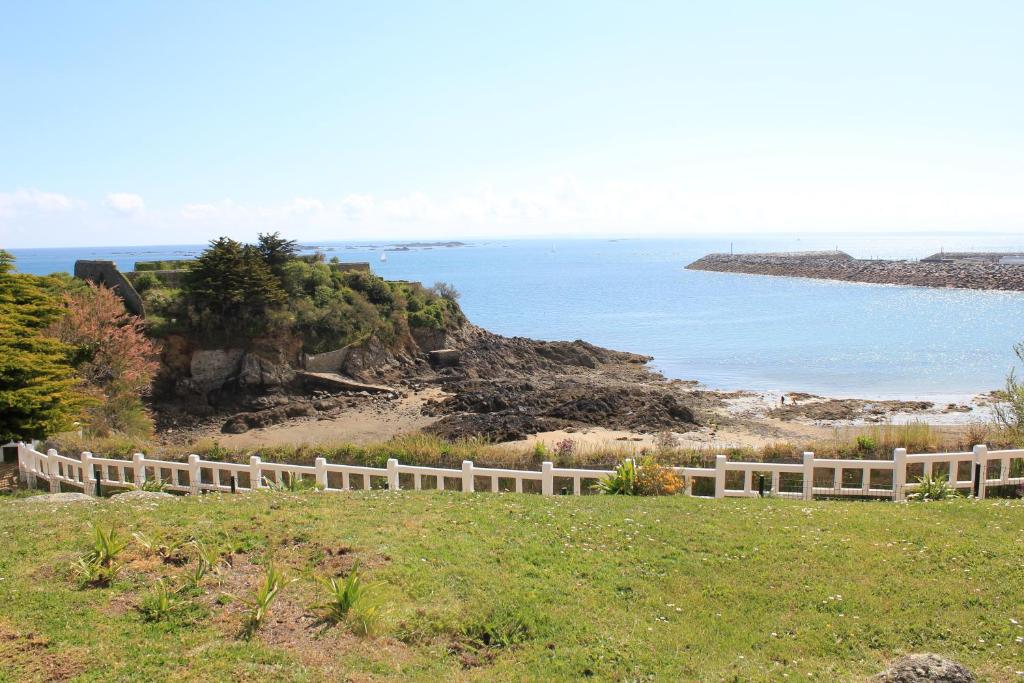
[953, 273]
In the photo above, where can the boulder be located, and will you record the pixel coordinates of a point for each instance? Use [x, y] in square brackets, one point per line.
[129, 496]
[59, 498]
[256, 372]
[211, 368]
[925, 668]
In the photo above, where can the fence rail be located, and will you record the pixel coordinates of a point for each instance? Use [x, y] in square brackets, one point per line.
[975, 470]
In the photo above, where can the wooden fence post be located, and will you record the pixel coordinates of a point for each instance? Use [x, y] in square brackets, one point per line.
[981, 458]
[194, 475]
[808, 475]
[255, 473]
[547, 478]
[899, 474]
[467, 476]
[53, 470]
[320, 464]
[720, 463]
[393, 483]
[87, 482]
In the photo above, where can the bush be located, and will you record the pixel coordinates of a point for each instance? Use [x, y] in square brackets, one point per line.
[622, 482]
[656, 480]
[647, 478]
[145, 282]
[934, 487]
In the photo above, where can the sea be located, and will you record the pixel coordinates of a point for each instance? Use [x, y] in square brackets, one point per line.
[727, 331]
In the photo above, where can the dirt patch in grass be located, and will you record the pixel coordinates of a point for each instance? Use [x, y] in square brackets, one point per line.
[31, 657]
[292, 623]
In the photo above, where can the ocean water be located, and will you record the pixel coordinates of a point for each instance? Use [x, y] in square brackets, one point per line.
[727, 331]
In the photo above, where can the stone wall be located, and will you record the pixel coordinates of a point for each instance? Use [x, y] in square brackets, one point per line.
[840, 266]
[106, 273]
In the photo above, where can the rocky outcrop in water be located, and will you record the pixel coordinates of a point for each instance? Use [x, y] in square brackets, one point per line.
[954, 273]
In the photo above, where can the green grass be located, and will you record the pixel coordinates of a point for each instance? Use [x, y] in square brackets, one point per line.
[519, 587]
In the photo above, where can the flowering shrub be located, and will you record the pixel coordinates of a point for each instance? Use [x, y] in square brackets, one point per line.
[647, 478]
[565, 448]
[656, 480]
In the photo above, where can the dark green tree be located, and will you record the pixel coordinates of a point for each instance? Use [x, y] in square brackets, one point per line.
[37, 383]
[231, 292]
[276, 251]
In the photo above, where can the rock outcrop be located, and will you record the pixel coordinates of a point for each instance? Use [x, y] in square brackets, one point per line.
[925, 668]
[960, 274]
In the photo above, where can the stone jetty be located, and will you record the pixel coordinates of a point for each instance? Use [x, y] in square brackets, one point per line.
[960, 271]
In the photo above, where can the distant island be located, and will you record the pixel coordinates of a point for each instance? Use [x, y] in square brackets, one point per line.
[959, 270]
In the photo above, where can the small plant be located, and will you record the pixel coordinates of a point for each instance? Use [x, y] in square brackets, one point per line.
[501, 627]
[291, 484]
[565, 449]
[865, 444]
[622, 482]
[207, 561]
[540, 452]
[933, 487]
[153, 486]
[263, 597]
[158, 604]
[99, 566]
[350, 601]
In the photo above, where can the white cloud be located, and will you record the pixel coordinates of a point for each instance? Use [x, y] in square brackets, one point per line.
[738, 198]
[21, 201]
[125, 203]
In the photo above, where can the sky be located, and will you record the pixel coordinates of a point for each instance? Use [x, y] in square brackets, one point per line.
[125, 123]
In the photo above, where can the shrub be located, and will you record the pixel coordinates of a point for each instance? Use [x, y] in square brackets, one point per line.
[1009, 411]
[865, 444]
[565, 449]
[145, 282]
[656, 480]
[622, 482]
[933, 487]
[647, 478]
[112, 355]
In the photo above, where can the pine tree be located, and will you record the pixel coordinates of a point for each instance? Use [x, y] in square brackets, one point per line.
[37, 383]
[231, 291]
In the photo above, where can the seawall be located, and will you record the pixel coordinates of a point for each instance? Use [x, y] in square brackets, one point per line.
[961, 274]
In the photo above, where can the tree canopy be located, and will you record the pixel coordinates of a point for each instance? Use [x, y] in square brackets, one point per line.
[37, 382]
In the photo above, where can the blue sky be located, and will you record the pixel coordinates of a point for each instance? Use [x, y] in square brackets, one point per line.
[150, 123]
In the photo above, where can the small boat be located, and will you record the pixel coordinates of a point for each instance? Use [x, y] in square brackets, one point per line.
[383, 257]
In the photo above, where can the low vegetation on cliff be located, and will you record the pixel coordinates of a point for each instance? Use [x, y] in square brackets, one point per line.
[508, 587]
[236, 294]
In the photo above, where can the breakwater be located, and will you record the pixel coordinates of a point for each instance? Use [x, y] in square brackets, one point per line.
[961, 272]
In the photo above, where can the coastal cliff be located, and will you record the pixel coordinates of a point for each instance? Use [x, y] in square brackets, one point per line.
[964, 271]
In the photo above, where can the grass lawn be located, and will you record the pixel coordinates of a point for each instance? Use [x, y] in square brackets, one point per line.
[521, 587]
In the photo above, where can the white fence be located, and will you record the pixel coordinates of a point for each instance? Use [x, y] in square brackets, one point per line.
[814, 476]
